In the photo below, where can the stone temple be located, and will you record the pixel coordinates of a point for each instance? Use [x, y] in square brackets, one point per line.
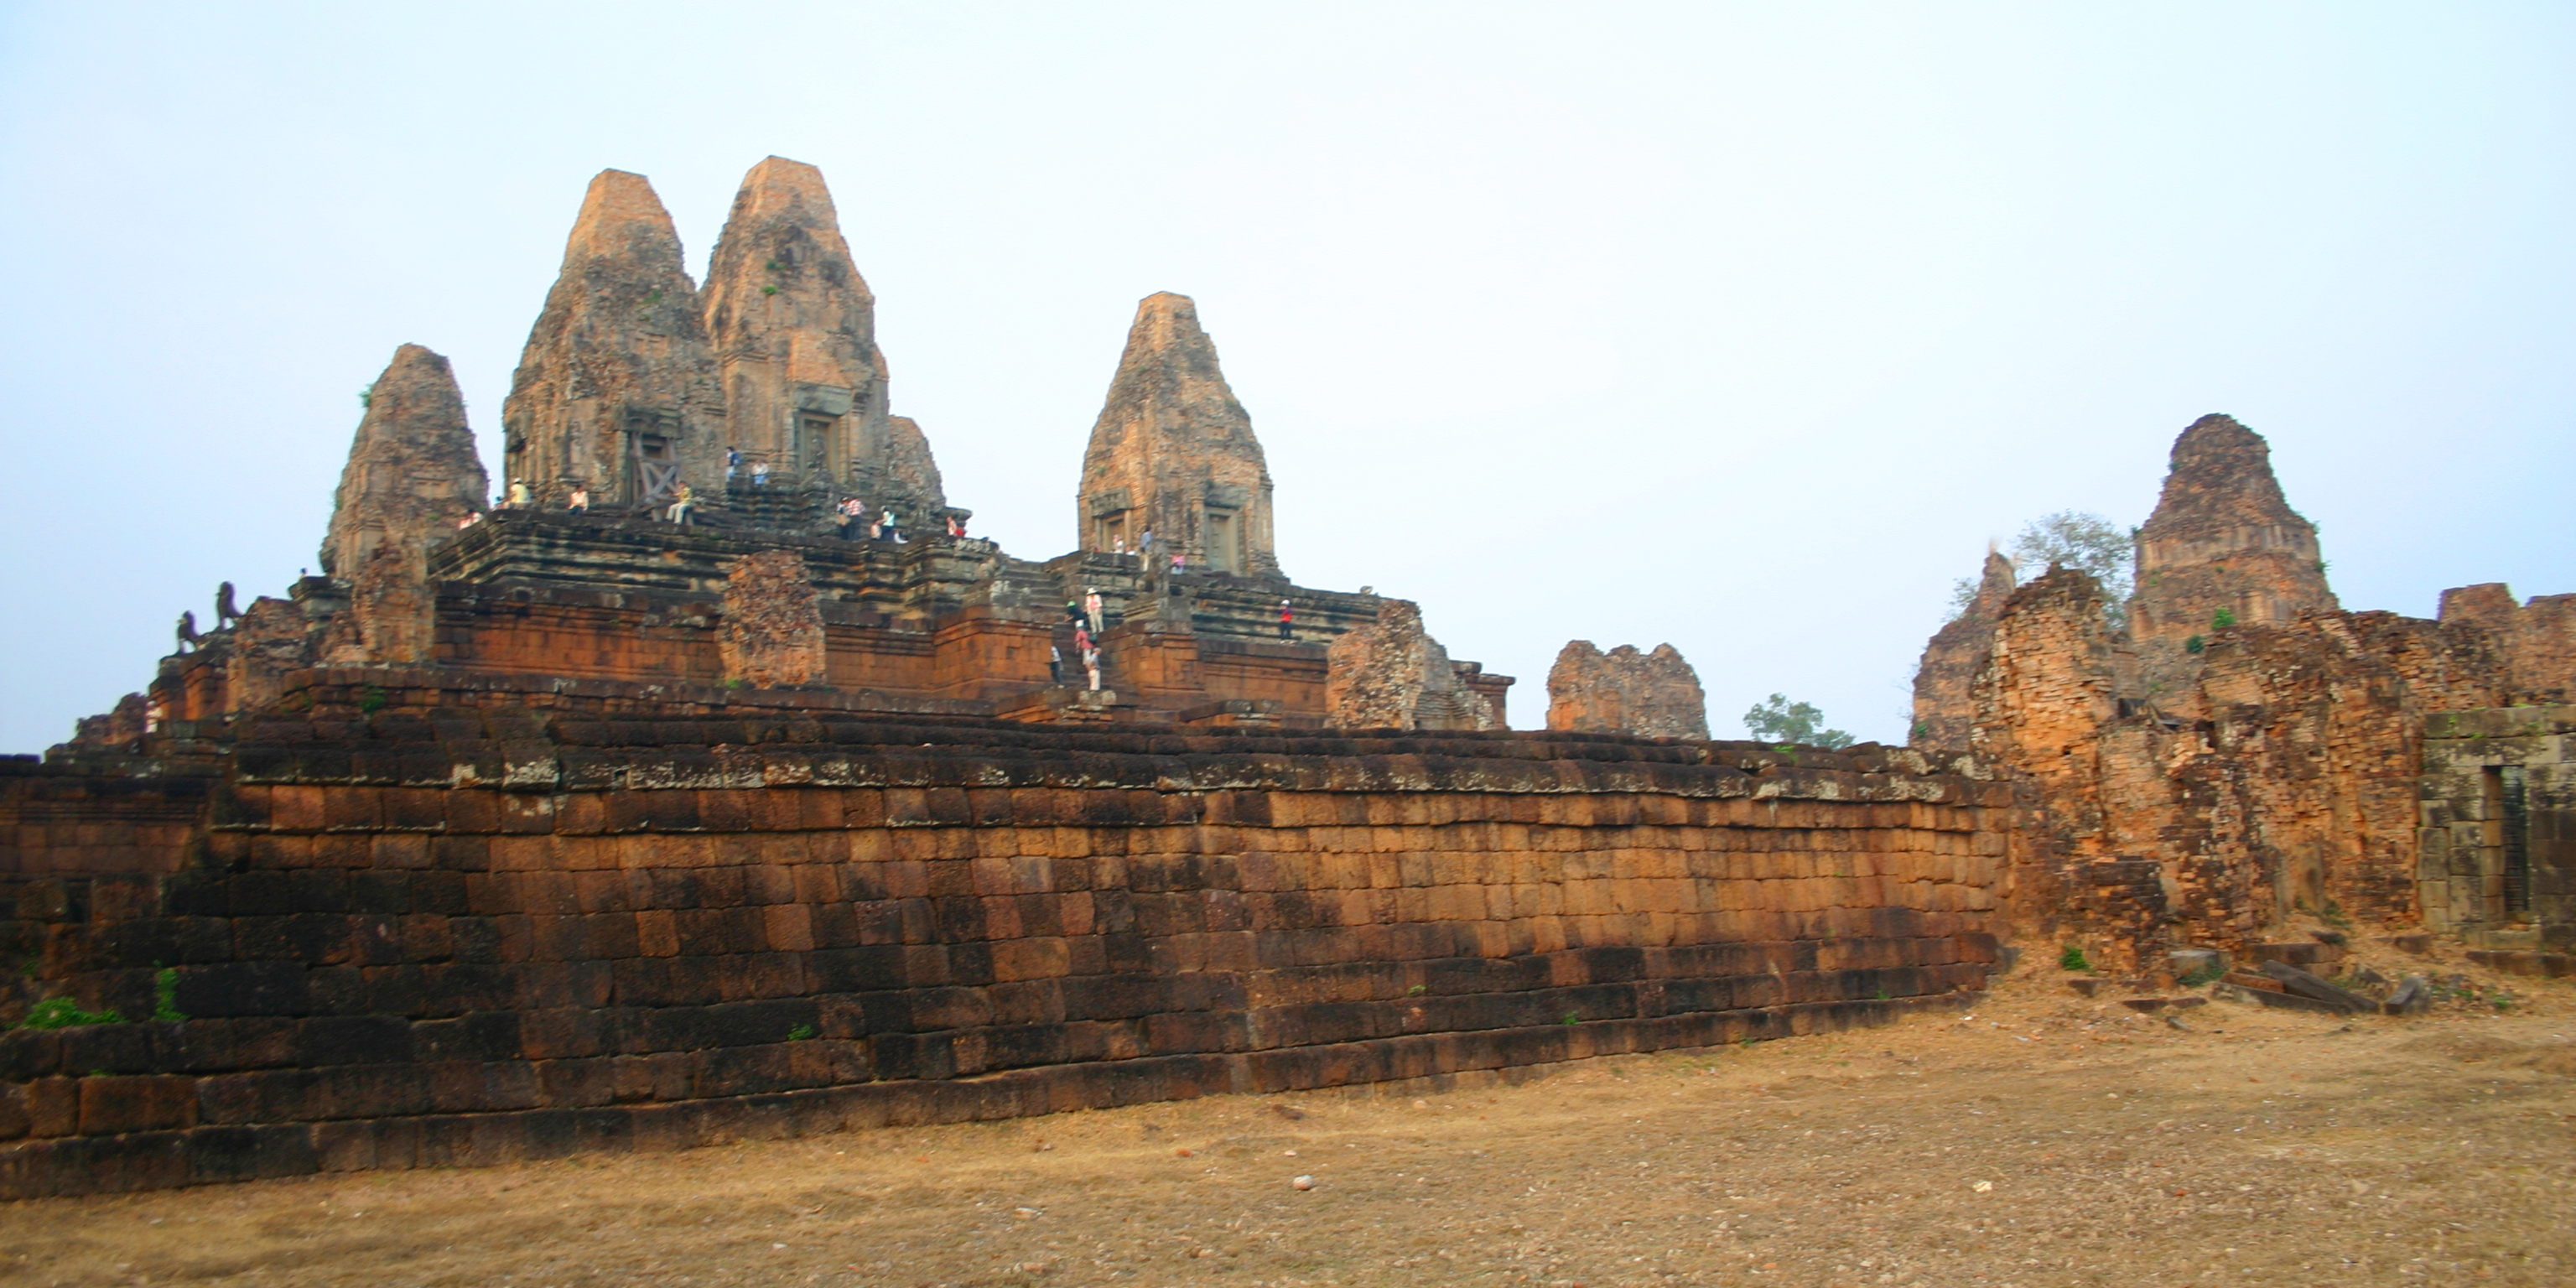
[715, 783]
[2245, 756]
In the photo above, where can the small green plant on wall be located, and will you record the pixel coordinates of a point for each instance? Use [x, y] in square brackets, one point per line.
[2072, 958]
[64, 1013]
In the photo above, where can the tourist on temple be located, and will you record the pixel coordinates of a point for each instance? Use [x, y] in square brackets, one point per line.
[760, 472]
[956, 528]
[1091, 608]
[1287, 616]
[579, 501]
[520, 498]
[854, 515]
[893, 527]
[1180, 561]
[733, 461]
[1091, 667]
[684, 504]
[1145, 543]
[1055, 665]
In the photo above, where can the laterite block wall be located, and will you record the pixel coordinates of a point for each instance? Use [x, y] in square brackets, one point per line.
[492, 934]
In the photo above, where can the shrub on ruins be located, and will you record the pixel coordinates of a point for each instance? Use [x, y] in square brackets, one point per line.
[2075, 539]
[1778, 720]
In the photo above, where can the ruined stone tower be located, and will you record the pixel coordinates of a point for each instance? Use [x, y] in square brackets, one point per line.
[794, 330]
[412, 470]
[616, 389]
[1173, 452]
[1650, 694]
[1943, 706]
[2223, 538]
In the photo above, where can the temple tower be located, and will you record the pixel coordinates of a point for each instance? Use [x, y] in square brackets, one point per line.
[1173, 452]
[2222, 540]
[616, 389]
[412, 470]
[794, 330]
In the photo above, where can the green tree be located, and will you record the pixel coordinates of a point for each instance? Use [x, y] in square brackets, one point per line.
[2087, 542]
[1778, 720]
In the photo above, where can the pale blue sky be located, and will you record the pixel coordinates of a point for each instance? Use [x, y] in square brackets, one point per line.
[1739, 327]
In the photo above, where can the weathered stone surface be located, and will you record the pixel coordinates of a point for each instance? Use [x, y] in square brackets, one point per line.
[1173, 452]
[1391, 675]
[2537, 640]
[616, 389]
[794, 328]
[412, 470]
[772, 634]
[455, 935]
[1652, 695]
[392, 616]
[272, 638]
[1944, 708]
[2270, 774]
[117, 730]
[2222, 540]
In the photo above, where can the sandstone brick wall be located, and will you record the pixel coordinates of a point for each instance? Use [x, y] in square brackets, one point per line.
[408, 940]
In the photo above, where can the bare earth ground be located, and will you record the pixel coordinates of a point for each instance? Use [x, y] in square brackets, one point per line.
[2046, 1140]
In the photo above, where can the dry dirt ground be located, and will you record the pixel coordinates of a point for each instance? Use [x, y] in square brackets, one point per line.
[2044, 1140]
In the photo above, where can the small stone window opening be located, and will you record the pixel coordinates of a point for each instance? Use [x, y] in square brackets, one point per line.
[654, 447]
[1111, 530]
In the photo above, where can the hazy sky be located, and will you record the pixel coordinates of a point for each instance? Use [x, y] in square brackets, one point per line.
[1739, 327]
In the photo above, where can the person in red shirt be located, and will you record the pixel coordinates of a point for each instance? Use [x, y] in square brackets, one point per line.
[1287, 615]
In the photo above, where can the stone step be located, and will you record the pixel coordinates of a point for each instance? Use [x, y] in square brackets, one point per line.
[2183, 1003]
[2298, 952]
[2543, 965]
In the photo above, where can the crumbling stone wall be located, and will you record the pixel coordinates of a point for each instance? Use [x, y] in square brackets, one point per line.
[392, 614]
[469, 936]
[1390, 674]
[2537, 640]
[772, 629]
[272, 638]
[412, 470]
[2268, 768]
[1944, 705]
[1651, 695]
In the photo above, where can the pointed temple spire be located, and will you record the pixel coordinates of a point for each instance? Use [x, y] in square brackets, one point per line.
[616, 389]
[1173, 452]
[412, 468]
[794, 330]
